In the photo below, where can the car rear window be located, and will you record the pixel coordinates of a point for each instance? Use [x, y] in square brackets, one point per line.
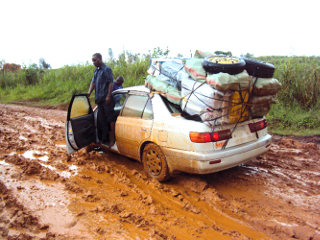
[173, 108]
[148, 113]
[134, 106]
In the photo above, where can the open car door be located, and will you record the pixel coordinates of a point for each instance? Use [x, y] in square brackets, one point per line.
[80, 128]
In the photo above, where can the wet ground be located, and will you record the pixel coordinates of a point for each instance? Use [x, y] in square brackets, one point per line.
[46, 194]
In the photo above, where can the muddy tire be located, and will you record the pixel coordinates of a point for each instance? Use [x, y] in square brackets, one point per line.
[154, 162]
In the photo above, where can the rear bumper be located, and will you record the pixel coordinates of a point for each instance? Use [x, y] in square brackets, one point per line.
[199, 162]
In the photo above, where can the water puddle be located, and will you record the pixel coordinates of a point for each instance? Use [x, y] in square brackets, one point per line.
[302, 159]
[286, 150]
[23, 138]
[8, 129]
[48, 201]
[253, 170]
[284, 224]
[73, 168]
[43, 157]
[4, 163]
[72, 171]
[311, 172]
[43, 122]
[34, 154]
[30, 128]
[61, 144]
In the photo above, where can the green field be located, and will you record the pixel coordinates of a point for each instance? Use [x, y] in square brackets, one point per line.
[297, 111]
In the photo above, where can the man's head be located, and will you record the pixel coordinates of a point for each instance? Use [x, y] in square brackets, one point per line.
[97, 59]
[119, 81]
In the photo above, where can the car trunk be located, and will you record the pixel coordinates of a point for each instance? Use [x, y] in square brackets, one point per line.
[242, 134]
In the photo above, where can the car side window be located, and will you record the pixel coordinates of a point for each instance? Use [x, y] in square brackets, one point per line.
[148, 113]
[80, 107]
[119, 100]
[134, 106]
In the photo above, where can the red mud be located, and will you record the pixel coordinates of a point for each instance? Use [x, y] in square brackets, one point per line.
[46, 194]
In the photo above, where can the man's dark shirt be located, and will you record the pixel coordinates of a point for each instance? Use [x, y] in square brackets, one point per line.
[116, 87]
[102, 77]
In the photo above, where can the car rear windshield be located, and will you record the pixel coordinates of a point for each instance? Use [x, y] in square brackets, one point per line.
[174, 108]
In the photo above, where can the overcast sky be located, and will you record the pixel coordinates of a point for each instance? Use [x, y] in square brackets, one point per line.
[68, 32]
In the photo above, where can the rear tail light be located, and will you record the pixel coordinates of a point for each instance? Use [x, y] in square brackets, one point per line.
[254, 127]
[198, 137]
[215, 161]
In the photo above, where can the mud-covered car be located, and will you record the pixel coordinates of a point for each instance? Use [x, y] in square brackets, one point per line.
[154, 131]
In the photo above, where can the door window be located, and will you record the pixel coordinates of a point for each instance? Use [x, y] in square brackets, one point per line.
[80, 107]
[148, 113]
[135, 105]
[80, 127]
[119, 101]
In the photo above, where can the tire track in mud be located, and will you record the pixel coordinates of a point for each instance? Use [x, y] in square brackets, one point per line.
[149, 205]
[14, 217]
[107, 196]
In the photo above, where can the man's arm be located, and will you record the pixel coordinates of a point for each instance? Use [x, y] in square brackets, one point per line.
[109, 79]
[108, 98]
[92, 86]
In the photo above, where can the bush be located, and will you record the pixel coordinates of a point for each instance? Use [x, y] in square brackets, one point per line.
[300, 78]
[31, 76]
[297, 106]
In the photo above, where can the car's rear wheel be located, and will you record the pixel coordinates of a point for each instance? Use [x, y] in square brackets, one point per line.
[154, 162]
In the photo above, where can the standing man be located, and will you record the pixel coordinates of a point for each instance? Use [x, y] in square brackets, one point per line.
[102, 82]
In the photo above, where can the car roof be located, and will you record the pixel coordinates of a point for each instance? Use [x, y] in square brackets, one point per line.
[140, 88]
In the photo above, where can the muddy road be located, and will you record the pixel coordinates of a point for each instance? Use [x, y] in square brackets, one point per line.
[46, 194]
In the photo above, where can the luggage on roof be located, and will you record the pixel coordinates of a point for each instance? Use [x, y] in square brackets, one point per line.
[260, 106]
[215, 88]
[225, 81]
[193, 66]
[164, 88]
[231, 108]
[266, 86]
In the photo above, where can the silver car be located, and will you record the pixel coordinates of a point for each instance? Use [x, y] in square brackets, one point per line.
[153, 131]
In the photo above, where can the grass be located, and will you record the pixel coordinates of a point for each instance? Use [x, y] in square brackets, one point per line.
[300, 78]
[293, 120]
[55, 87]
[297, 111]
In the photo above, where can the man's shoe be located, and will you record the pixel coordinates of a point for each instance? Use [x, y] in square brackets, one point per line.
[97, 149]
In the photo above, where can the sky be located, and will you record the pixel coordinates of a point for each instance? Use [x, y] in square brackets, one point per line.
[68, 32]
